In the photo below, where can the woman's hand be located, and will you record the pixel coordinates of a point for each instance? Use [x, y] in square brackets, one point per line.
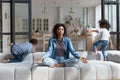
[83, 59]
[39, 60]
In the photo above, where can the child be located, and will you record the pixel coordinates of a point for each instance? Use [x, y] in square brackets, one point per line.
[104, 38]
[21, 50]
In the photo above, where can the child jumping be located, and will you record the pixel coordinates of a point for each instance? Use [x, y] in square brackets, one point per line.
[104, 38]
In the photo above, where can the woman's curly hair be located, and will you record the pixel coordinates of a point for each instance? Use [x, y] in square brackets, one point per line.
[56, 27]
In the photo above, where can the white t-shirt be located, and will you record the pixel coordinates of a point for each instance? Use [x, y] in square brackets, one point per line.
[104, 34]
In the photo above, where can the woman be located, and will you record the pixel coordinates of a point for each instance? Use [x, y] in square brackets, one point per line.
[59, 49]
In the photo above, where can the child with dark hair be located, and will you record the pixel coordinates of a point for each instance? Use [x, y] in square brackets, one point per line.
[21, 50]
[104, 38]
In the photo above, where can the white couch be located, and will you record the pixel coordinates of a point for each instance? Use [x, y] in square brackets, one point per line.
[95, 69]
[16, 71]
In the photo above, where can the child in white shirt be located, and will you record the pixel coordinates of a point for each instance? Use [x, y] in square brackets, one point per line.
[104, 38]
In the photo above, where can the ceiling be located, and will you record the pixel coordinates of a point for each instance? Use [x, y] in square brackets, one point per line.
[67, 3]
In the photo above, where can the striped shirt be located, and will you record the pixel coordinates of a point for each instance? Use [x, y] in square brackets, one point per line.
[22, 49]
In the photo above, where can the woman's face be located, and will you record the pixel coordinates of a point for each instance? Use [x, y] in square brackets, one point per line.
[60, 31]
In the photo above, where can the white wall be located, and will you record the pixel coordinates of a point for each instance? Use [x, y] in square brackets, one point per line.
[56, 13]
[91, 16]
[97, 15]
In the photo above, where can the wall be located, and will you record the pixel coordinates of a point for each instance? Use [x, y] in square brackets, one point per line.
[58, 14]
[55, 14]
[97, 15]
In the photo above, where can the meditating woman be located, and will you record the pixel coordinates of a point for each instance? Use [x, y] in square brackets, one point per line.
[59, 49]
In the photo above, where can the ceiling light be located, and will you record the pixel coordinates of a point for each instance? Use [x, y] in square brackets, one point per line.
[44, 9]
[71, 9]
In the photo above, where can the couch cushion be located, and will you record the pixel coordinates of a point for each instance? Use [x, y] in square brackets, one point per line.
[7, 71]
[87, 71]
[103, 70]
[115, 67]
[113, 55]
[61, 73]
[56, 74]
[90, 55]
[40, 73]
[28, 59]
[23, 69]
[72, 73]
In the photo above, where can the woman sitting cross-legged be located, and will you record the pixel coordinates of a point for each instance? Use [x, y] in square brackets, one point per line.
[59, 49]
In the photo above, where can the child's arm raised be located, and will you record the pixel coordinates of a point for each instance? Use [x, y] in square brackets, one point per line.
[90, 30]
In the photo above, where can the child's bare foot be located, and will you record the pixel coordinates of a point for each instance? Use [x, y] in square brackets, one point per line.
[58, 65]
[5, 61]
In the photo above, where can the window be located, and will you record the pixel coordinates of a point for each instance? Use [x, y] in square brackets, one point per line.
[40, 25]
[15, 25]
[25, 24]
[111, 13]
[45, 24]
[110, 0]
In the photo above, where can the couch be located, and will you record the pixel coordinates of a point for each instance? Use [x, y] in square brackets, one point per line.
[95, 69]
[16, 71]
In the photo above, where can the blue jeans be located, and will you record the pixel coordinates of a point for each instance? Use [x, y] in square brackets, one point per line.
[18, 58]
[103, 44]
[60, 60]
